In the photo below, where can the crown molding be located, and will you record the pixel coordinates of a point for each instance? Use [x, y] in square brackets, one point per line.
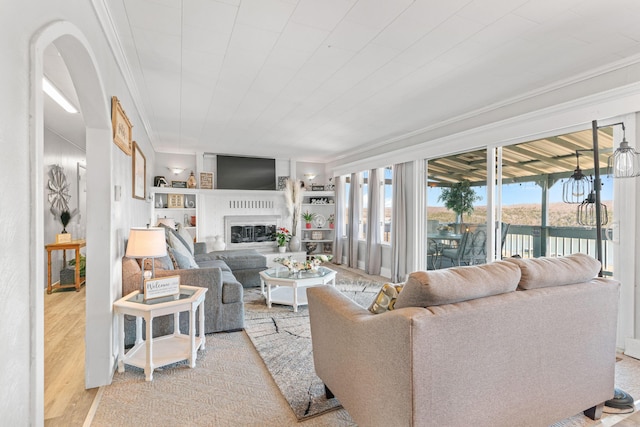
[103, 13]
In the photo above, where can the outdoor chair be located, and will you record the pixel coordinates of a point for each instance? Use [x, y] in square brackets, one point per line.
[471, 249]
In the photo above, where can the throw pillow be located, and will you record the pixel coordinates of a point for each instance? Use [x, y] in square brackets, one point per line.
[162, 263]
[179, 248]
[546, 271]
[186, 237]
[182, 261]
[386, 298]
[457, 284]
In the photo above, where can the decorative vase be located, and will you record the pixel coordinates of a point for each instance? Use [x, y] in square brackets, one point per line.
[219, 244]
[331, 225]
[308, 225]
[294, 244]
[282, 249]
[191, 181]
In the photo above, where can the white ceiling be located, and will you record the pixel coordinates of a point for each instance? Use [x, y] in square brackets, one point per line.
[317, 79]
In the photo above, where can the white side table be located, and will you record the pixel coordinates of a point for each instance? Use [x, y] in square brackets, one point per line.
[160, 351]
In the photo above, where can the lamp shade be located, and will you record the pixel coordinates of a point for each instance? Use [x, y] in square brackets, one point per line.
[146, 243]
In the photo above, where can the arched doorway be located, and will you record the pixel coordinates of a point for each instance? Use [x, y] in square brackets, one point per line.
[79, 59]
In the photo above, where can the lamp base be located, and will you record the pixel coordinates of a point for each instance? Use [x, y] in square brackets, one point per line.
[620, 400]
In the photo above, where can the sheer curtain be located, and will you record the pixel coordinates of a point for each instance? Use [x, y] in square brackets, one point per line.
[354, 220]
[338, 225]
[373, 253]
[399, 224]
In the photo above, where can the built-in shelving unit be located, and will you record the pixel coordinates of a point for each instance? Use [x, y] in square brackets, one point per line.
[181, 204]
[319, 238]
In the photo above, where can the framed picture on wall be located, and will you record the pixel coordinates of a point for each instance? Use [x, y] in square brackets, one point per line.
[121, 126]
[139, 173]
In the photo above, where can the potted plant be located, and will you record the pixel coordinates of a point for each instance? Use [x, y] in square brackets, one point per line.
[459, 198]
[308, 217]
[282, 237]
[331, 220]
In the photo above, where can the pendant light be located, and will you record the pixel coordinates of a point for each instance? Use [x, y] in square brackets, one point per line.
[587, 212]
[578, 186]
[625, 161]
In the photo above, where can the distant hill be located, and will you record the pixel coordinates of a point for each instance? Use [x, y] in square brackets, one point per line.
[560, 214]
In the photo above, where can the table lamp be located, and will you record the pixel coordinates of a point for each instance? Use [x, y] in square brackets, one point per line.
[146, 243]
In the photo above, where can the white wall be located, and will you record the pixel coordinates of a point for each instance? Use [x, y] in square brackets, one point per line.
[58, 151]
[21, 375]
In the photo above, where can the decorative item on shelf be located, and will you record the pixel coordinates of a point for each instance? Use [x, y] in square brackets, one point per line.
[175, 201]
[317, 188]
[308, 217]
[190, 203]
[282, 237]
[319, 200]
[159, 201]
[146, 243]
[206, 180]
[327, 248]
[219, 244]
[191, 181]
[160, 181]
[331, 186]
[282, 182]
[331, 220]
[319, 220]
[316, 235]
[187, 220]
[311, 247]
[193, 220]
[179, 184]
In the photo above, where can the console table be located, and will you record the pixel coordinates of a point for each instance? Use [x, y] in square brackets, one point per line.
[74, 245]
[152, 353]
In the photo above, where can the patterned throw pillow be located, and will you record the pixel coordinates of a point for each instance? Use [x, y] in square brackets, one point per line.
[386, 298]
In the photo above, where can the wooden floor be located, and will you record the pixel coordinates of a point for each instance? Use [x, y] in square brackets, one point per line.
[66, 402]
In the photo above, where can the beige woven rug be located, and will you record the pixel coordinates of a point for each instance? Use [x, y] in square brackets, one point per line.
[283, 340]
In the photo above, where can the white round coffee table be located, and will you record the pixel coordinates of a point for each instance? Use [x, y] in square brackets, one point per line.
[288, 288]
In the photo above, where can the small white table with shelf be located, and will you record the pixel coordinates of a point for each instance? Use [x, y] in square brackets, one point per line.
[160, 351]
[289, 288]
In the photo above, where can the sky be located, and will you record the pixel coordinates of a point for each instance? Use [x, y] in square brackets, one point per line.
[526, 192]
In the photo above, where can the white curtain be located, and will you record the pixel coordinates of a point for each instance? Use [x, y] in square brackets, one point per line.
[399, 224]
[354, 220]
[373, 253]
[339, 220]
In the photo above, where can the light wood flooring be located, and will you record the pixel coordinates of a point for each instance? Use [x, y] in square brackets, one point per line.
[66, 402]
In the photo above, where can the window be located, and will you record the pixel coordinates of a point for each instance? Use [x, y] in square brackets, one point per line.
[364, 212]
[387, 194]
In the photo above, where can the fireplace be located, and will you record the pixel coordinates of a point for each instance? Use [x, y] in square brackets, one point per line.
[251, 231]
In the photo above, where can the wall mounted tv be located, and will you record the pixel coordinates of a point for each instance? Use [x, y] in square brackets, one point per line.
[245, 173]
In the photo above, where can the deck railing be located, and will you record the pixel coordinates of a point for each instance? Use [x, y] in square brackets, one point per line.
[532, 242]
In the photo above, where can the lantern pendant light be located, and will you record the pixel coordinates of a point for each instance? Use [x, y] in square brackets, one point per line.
[625, 161]
[578, 186]
[587, 212]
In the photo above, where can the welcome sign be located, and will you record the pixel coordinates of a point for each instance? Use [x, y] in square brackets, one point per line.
[165, 286]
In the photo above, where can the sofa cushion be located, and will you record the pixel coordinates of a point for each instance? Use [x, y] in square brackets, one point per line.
[448, 286]
[546, 271]
[236, 259]
[183, 261]
[162, 263]
[385, 299]
[179, 248]
[214, 263]
[186, 238]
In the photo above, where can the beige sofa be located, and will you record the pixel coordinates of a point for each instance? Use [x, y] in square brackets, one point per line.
[481, 353]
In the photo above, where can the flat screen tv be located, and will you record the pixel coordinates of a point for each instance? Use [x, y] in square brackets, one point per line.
[245, 173]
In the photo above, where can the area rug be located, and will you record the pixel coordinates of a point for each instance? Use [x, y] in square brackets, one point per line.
[283, 340]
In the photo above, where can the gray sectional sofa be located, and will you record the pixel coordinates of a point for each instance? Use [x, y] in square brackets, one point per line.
[223, 273]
